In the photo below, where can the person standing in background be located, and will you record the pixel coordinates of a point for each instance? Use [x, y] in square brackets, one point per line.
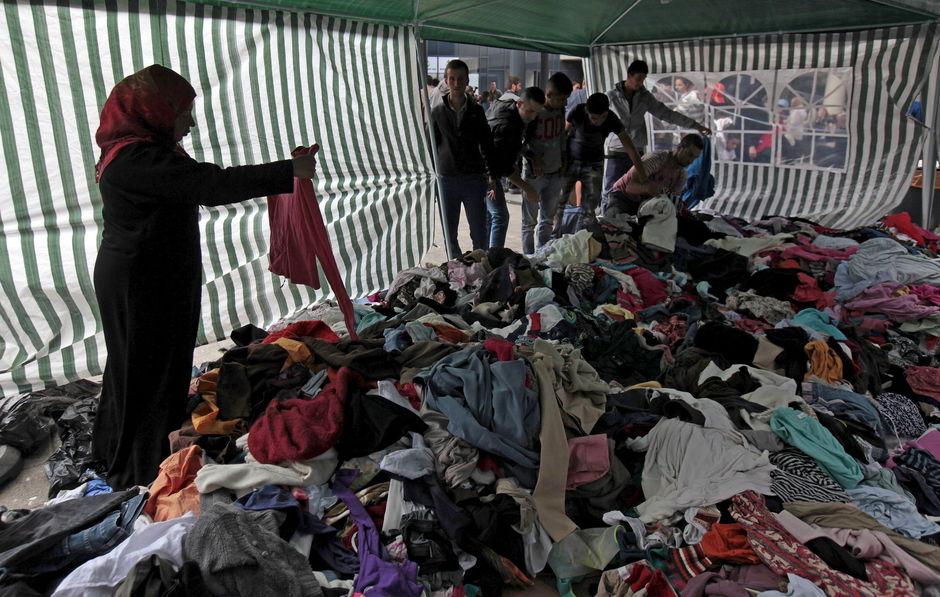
[514, 85]
[464, 150]
[630, 100]
[508, 120]
[543, 164]
[590, 124]
[578, 96]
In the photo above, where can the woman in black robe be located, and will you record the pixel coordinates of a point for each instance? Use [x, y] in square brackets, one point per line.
[148, 275]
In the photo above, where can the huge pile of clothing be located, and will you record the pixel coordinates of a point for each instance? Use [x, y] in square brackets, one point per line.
[684, 405]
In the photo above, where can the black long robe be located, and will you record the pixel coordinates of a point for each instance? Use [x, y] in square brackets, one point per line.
[148, 281]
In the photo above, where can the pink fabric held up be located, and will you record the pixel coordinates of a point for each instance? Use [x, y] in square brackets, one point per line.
[299, 239]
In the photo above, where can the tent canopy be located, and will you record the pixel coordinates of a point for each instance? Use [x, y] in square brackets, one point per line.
[567, 27]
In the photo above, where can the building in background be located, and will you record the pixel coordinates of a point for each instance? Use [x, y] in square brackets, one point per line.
[497, 64]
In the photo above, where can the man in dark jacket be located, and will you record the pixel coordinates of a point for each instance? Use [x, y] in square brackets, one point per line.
[508, 119]
[464, 147]
[631, 101]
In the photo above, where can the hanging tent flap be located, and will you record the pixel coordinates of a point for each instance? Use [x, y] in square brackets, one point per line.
[811, 125]
[267, 81]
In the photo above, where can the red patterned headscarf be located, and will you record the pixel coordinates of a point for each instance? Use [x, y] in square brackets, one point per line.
[142, 107]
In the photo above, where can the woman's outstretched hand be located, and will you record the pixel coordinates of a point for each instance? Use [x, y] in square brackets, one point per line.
[305, 166]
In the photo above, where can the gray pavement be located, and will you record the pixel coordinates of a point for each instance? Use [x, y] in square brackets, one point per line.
[437, 253]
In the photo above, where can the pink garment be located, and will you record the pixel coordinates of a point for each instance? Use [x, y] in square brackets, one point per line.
[299, 239]
[890, 299]
[811, 252]
[863, 543]
[925, 381]
[588, 460]
[751, 325]
[652, 289]
[870, 325]
[927, 293]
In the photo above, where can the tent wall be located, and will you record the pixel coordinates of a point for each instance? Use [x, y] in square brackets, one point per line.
[887, 69]
[267, 81]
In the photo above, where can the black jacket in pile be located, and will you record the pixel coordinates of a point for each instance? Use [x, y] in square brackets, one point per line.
[508, 132]
[463, 149]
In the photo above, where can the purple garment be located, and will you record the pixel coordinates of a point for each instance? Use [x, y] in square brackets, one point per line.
[377, 578]
[588, 460]
[881, 298]
[733, 582]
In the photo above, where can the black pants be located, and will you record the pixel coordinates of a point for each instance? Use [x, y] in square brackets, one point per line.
[150, 318]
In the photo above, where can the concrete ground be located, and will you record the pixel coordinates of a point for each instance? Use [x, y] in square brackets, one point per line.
[30, 488]
[437, 254]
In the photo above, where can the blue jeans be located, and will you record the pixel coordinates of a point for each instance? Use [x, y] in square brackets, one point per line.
[468, 190]
[539, 218]
[589, 174]
[614, 170]
[91, 542]
[497, 217]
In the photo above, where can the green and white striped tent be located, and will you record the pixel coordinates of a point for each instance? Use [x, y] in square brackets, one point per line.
[882, 72]
[274, 75]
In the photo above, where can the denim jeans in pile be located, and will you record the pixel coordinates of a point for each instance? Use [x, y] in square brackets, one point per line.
[589, 174]
[91, 542]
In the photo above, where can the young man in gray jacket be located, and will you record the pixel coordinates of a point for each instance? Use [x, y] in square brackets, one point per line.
[543, 164]
[630, 101]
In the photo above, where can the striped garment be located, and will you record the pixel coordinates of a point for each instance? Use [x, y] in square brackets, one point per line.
[799, 479]
[267, 81]
[923, 462]
[781, 552]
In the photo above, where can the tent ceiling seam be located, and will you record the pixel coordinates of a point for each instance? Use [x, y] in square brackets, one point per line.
[758, 33]
[615, 21]
[904, 7]
[454, 11]
[506, 36]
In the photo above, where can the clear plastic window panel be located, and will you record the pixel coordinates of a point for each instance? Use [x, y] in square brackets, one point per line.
[683, 92]
[792, 118]
[812, 109]
[740, 118]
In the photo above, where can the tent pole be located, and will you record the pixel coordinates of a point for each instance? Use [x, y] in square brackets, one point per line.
[931, 116]
[543, 70]
[421, 55]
